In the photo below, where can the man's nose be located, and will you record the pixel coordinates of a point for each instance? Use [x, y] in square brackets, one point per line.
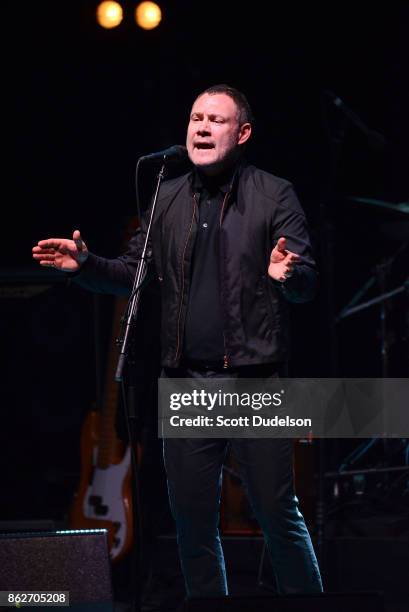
[204, 127]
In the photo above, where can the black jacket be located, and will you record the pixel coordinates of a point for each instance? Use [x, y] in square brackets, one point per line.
[257, 211]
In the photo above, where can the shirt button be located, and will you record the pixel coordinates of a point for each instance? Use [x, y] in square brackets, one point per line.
[204, 225]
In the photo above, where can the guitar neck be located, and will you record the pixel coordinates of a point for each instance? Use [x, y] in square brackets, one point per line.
[107, 435]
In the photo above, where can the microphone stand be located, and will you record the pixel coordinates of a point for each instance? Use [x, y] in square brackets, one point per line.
[124, 340]
[136, 289]
[336, 136]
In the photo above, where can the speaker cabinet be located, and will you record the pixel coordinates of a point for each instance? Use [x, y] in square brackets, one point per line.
[77, 562]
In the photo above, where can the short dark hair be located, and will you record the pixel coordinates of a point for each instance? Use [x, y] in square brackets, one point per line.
[245, 112]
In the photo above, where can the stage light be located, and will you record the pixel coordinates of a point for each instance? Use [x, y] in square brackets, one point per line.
[148, 15]
[109, 14]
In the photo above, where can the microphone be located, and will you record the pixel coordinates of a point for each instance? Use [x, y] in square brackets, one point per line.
[174, 153]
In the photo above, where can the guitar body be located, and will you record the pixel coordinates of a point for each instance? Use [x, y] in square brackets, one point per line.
[104, 496]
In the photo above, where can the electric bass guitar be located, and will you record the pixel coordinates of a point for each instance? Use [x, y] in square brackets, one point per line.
[104, 496]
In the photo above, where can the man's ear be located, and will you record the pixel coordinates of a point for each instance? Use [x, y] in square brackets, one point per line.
[244, 133]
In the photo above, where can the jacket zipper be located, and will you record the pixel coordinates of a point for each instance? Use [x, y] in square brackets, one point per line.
[225, 358]
[183, 277]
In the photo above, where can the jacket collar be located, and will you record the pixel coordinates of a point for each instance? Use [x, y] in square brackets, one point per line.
[226, 182]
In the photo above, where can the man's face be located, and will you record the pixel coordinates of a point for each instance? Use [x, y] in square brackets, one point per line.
[214, 132]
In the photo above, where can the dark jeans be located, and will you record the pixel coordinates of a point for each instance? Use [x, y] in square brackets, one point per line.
[194, 473]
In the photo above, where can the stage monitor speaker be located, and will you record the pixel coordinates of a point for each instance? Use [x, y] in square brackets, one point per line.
[73, 561]
[323, 602]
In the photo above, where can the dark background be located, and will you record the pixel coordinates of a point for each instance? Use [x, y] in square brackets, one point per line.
[83, 103]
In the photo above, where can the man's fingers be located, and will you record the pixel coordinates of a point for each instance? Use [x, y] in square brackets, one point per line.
[287, 255]
[290, 265]
[38, 250]
[286, 274]
[44, 256]
[293, 258]
[50, 243]
[79, 243]
[281, 242]
[287, 271]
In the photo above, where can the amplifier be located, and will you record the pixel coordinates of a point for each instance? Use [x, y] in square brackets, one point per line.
[74, 561]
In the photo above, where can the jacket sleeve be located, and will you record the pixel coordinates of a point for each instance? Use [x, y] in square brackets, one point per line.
[115, 276]
[290, 222]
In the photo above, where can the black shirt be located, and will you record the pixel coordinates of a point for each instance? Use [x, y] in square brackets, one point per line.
[204, 337]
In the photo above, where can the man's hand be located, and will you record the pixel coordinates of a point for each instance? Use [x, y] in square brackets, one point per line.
[62, 253]
[282, 262]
